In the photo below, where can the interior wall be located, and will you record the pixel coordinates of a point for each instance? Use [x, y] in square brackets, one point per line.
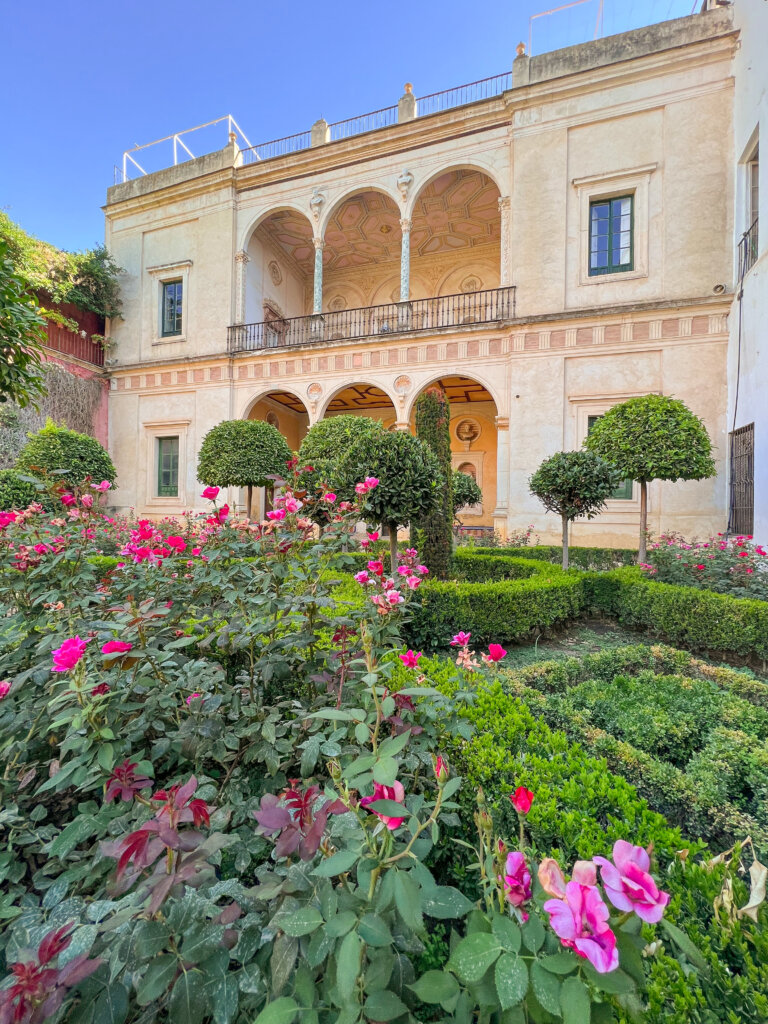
[285, 287]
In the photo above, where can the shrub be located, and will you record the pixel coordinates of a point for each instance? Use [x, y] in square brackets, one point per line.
[56, 453]
[652, 438]
[596, 559]
[573, 485]
[243, 453]
[433, 417]
[728, 566]
[325, 444]
[466, 491]
[22, 329]
[17, 493]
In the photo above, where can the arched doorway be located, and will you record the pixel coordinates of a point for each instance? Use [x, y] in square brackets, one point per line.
[288, 414]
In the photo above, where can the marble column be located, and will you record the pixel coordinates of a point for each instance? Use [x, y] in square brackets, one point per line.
[317, 294]
[405, 260]
[501, 511]
[241, 261]
[505, 271]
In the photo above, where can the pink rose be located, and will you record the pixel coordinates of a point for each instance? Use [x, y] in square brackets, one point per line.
[103, 486]
[330, 497]
[193, 696]
[377, 568]
[496, 652]
[223, 513]
[394, 792]
[580, 922]
[628, 884]
[211, 493]
[395, 597]
[362, 577]
[5, 688]
[292, 505]
[461, 640]
[371, 482]
[87, 500]
[68, 655]
[373, 536]
[116, 647]
[177, 543]
[276, 514]
[551, 878]
[441, 768]
[360, 488]
[521, 799]
[410, 659]
[68, 499]
[413, 582]
[517, 880]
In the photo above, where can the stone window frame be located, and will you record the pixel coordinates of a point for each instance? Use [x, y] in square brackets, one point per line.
[635, 182]
[163, 274]
[152, 432]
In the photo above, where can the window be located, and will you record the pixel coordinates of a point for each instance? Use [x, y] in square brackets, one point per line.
[167, 467]
[624, 491]
[753, 186]
[171, 310]
[610, 235]
[742, 510]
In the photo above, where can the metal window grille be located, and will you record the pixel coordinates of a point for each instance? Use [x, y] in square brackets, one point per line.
[742, 504]
[624, 491]
[172, 303]
[611, 235]
[167, 467]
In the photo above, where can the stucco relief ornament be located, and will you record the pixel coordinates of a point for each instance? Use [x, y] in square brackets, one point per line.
[403, 385]
[404, 183]
[275, 272]
[316, 203]
[314, 391]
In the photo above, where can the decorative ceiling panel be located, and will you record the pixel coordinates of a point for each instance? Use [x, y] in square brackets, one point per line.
[360, 396]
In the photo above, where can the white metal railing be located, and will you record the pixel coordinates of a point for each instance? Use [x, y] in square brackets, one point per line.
[121, 173]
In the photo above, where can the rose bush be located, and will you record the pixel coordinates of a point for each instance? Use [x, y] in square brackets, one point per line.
[727, 565]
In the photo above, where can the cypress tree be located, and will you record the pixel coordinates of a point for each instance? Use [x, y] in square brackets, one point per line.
[433, 416]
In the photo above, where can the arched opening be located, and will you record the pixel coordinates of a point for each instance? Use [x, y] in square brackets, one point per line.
[474, 445]
[288, 414]
[279, 273]
[362, 399]
[361, 252]
[456, 236]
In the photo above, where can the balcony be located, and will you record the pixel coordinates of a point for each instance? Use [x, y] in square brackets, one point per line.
[436, 315]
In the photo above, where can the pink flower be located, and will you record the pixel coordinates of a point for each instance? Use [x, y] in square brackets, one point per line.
[177, 543]
[699, 566]
[116, 647]
[223, 513]
[377, 568]
[441, 768]
[103, 486]
[276, 514]
[293, 505]
[100, 690]
[87, 500]
[517, 880]
[42, 549]
[395, 597]
[330, 497]
[5, 688]
[68, 655]
[193, 696]
[196, 551]
[422, 569]
[403, 570]
[496, 652]
[628, 884]
[360, 488]
[413, 582]
[394, 792]
[68, 499]
[461, 640]
[551, 878]
[410, 659]
[371, 482]
[580, 922]
[373, 536]
[362, 577]
[521, 799]
[211, 493]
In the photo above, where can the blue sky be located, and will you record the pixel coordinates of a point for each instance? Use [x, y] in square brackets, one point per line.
[90, 78]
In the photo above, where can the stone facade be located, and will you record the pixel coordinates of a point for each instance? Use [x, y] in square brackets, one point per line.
[453, 247]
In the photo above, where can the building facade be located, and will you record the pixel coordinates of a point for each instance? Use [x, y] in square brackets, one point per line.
[551, 248]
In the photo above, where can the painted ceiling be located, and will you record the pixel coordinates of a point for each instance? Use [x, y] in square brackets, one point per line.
[456, 210]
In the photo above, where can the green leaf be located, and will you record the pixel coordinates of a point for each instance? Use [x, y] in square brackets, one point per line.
[374, 931]
[392, 746]
[474, 955]
[389, 808]
[511, 976]
[279, 1011]
[685, 945]
[348, 965]
[200, 942]
[533, 933]
[546, 988]
[309, 756]
[75, 833]
[507, 932]
[341, 924]
[435, 987]
[362, 733]
[383, 1005]
[302, 922]
[284, 950]
[574, 1002]
[157, 978]
[187, 1002]
[385, 771]
[337, 863]
[408, 901]
[615, 982]
[111, 1006]
[560, 963]
[446, 903]
[151, 937]
[224, 996]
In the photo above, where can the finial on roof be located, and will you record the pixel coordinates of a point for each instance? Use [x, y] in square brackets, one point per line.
[409, 87]
[520, 50]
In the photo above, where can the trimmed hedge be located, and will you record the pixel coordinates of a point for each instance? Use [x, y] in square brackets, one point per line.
[691, 618]
[599, 559]
[580, 809]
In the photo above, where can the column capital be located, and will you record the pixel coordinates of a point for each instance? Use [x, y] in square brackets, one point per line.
[502, 422]
[405, 224]
[505, 203]
[242, 257]
[318, 243]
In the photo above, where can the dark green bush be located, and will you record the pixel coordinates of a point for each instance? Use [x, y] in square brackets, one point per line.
[598, 559]
[16, 494]
[69, 456]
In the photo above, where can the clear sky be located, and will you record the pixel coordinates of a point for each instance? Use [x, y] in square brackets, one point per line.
[85, 79]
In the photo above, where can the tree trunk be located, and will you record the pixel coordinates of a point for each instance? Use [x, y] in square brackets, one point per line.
[565, 542]
[249, 507]
[392, 527]
[642, 550]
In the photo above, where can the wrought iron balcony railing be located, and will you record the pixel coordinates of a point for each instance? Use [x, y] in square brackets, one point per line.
[435, 315]
[748, 248]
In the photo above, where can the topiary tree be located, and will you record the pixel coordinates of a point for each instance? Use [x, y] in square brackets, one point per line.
[466, 491]
[433, 417]
[652, 438]
[242, 453]
[574, 485]
[327, 441]
[69, 457]
[410, 482]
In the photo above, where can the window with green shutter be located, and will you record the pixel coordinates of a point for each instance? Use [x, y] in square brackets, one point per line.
[167, 467]
[611, 229]
[171, 311]
[624, 491]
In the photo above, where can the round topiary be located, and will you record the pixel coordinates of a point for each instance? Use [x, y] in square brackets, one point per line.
[466, 491]
[410, 482]
[55, 453]
[327, 441]
[17, 493]
[242, 453]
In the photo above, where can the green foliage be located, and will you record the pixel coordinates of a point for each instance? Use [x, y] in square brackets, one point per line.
[22, 329]
[433, 417]
[17, 493]
[327, 441]
[596, 559]
[653, 438]
[55, 453]
[87, 279]
[242, 453]
[732, 566]
[466, 491]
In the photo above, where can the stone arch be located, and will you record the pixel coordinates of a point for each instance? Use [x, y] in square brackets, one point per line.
[350, 193]
[479, 165]
[478, 378]
[257, 220]
[383, 400]
[280, 265]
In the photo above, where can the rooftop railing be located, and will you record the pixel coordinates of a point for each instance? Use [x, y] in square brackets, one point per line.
[445, 312]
